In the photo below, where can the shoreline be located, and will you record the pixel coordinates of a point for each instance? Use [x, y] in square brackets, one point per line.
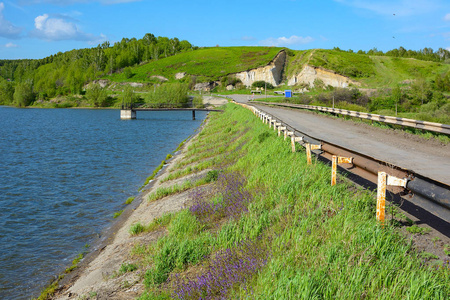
[77, 282]
[109, 235]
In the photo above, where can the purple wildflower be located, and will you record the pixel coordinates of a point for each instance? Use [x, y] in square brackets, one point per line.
[226, 269]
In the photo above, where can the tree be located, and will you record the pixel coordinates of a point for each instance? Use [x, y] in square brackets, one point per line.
[6, 92]
[128, 72]
[421, 90]
[97, 95]
[128, 96]
[149, 39]
[23, 94]
[262, 84]
[396, 96]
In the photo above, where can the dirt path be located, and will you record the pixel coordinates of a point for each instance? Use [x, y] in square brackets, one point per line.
[429, 158]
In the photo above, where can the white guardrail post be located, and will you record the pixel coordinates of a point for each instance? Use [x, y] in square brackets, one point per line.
[335, 161]
[295, 139]
[383, 181]
[276, 125]
[418, 124]
[287, 133]
[310, 147]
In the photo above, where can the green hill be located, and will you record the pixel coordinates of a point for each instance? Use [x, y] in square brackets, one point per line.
[370, 70]
[211, 63]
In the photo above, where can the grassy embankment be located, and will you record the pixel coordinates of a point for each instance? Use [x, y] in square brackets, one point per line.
[270, 226]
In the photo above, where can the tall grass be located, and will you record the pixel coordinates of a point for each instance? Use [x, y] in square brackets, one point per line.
[291, 235]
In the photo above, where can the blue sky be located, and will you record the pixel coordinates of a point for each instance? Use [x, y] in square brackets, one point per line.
[39, 28]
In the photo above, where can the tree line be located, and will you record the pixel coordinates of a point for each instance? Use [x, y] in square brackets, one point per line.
[427, 54]
[66, 73]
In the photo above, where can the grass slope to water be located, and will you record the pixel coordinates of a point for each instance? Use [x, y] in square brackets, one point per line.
[211, 63]
[271, 227]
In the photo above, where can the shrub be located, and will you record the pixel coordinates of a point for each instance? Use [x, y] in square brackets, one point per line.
[212, 176]
[23, 94]
[128, 72]
[97, 95]
[262, 84]
[127, 267]
[198, 101]
[169, 94]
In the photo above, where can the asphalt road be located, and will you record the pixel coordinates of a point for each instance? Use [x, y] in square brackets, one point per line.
[428, 158]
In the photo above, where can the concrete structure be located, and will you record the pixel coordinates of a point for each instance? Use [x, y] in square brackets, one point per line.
[127, 114]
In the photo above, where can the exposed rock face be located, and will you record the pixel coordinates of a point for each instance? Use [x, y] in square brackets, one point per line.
[205, 86]
[133, 84]
[230, 87]
[180, 75]
[309, 74]
[102, 82]
[160, 78]
[271, 73]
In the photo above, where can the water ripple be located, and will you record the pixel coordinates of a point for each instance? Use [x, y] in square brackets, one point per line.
[63, 173]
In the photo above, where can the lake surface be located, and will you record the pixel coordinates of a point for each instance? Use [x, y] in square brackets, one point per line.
[63, 174]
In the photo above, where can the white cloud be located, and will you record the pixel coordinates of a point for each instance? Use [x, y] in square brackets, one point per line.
[447, 17]
[283, 41]
[59, 28]
[7, 29]
[398, 8]
[11, 45]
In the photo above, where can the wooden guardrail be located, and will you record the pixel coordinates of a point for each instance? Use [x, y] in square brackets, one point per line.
[424, 125]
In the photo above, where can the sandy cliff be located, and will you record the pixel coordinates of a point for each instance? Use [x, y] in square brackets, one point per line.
[271, 73]
[310, 73]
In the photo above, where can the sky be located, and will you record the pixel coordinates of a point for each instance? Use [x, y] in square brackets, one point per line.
[39, 28]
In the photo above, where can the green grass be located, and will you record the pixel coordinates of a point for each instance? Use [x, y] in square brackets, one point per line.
[162, 192]
[155, 172]
[371, 71]
[348, 64]
[129, 200]
[416, 229]
[390, 71]
[127, 267]
[117, 214]
[323, 241]
[210, 63]
[137, 228]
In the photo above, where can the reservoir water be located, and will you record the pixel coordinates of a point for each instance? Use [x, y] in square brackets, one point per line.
[63, 174]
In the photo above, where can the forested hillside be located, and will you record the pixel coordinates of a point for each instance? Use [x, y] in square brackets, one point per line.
[66, 73]
[205, 63]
